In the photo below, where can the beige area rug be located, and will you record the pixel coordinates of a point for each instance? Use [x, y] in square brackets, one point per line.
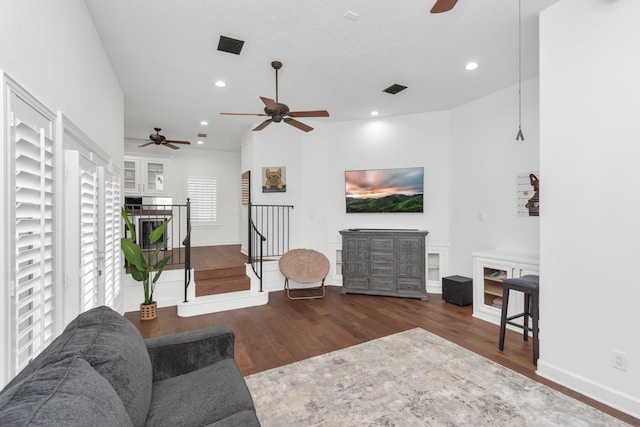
[412, 378]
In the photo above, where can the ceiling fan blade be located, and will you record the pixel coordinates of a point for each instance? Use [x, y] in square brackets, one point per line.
[263, 124]
[443, 6]
[269, 103]
[316, 113]
[148, 143]
[171, 146]
[243, 114]
[177, 142]
[299, 125]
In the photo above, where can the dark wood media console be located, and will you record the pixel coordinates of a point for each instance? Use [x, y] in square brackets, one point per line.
[388, 262]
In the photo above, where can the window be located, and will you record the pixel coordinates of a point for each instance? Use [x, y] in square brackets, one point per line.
[202, 192]
[29, 157]
[88, 239]
[112, 223]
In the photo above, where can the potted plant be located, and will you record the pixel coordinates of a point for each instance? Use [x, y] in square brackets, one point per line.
[142, 266]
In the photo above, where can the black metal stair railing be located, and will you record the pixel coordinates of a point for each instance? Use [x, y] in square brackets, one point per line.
[269, 234]
[145, 218]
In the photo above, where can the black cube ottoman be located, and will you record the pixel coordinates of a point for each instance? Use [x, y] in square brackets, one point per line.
[457, 290]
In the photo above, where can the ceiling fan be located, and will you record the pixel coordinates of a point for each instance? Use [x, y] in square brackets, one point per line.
[279, 112]
[443, 6]
[161, 140]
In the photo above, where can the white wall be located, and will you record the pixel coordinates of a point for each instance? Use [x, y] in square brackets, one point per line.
[485, 162]
[315, 164]
[53, 51]
[192, 161]
[589, 239]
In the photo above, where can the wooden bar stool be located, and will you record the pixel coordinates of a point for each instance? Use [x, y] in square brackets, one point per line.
[529, 286]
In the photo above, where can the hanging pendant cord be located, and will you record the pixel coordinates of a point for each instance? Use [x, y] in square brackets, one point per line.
[520, 136]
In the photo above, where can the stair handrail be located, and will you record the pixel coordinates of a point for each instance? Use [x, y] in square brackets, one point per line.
[256, 261]
[187, 252]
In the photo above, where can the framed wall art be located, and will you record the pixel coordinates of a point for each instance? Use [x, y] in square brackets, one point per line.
[384, 190]
[274, 179]
[529, 194]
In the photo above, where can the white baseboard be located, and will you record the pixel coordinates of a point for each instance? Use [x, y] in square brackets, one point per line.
[223, 302]
[610, 397]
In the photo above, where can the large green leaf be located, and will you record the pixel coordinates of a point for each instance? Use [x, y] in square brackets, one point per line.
[137, 275]
[159, 267]
[159, 232]
[133, 254]
[159, 248]
[132, 230]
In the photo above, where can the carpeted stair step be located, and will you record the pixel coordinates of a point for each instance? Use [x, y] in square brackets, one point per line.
[221, 285]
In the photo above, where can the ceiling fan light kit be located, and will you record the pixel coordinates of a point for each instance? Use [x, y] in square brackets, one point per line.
[279, 112]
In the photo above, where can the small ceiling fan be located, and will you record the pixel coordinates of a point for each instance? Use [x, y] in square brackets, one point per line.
[443, 6]
[161, 140]
[279, 112]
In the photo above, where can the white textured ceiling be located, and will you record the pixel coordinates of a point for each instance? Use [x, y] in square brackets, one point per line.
[164, 53]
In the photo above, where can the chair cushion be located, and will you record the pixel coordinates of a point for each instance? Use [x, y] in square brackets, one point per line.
[211, 395]
[529, 281]
[69, 392]
[114, 348]
[304, 266]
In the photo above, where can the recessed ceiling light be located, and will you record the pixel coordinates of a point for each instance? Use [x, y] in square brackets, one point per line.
[200, 142]
[220, 83]
[471, 66]
[374, 113]
[204, 123]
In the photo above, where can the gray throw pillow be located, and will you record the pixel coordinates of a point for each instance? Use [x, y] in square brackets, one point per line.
[69, 392]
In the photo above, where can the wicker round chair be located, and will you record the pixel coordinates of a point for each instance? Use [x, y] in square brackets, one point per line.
[304, 266]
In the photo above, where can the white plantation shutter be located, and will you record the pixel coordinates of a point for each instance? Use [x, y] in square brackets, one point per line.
[112, 229]
[34, 278]
[202, 192]
[88, 238]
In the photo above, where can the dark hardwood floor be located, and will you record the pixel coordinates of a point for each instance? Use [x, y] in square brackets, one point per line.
[285, 331]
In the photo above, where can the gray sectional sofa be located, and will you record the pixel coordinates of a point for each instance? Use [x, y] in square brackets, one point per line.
[100, 372]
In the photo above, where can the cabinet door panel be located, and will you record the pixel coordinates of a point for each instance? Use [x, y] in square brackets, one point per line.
[382, 257]
[383, 284]
[410, 285]
[410, 270]
[356, 283]
[382, 270]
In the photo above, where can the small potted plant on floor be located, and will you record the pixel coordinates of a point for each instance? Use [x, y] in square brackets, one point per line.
[142, 266]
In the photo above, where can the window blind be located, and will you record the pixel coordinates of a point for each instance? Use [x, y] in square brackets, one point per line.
[88, 238]
[202, 192]
[111, 241]
[34, 277]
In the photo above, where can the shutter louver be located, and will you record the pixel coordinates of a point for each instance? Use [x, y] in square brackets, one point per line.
[34, 261]
[88, 239]
[112, 242]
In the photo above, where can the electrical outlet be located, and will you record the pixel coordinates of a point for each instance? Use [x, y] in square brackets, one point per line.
[619, 360]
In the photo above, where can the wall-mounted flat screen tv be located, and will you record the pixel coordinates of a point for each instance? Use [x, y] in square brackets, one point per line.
[384, 190]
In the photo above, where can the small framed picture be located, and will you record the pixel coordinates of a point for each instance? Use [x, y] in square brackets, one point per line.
[274, 179]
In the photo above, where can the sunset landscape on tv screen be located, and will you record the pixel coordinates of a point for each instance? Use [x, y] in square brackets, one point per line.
[384, 190]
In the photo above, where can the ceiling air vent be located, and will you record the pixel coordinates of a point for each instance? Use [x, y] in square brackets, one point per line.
[202, 135]
[395, 88]
[227, 44]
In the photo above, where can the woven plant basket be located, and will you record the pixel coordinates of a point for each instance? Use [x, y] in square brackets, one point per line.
[148, 311]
